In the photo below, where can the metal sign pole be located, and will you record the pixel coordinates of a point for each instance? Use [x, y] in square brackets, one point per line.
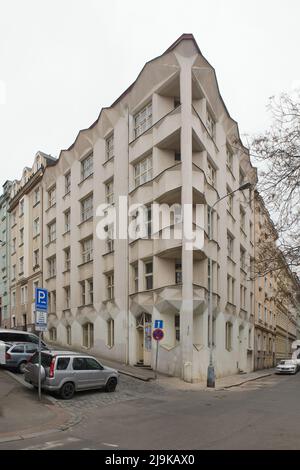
[40, 365]
[156, 360]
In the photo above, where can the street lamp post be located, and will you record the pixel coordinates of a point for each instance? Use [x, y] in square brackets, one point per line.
[211, 369]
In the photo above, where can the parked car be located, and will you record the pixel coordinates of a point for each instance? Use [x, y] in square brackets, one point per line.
[17, 336]
[287, 367]
[66, 372]
[18, 354]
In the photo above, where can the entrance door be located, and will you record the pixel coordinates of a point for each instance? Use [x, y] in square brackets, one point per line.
[144, 338]
[241, 349]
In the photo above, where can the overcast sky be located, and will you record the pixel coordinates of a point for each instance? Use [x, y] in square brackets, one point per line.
[61, 61]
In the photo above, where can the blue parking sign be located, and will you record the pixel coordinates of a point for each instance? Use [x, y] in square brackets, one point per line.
[158, 324]
[41, 300]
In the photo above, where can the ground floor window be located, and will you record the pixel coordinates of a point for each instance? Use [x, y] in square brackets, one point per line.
[110, 332]
[228, 336]
[69, 335]
[88, 335]
[52, 334]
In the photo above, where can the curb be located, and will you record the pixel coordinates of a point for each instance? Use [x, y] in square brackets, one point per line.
[26, 434]
[245, 381]
[138, 377]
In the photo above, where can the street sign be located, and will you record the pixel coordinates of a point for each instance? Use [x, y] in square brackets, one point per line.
[158, 334]
[158, 324]
[41, 300]
[41, 320]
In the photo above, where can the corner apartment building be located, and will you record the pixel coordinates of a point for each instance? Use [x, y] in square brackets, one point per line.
[26, 219]
[167, 139]
[4, 257]
[265, 289]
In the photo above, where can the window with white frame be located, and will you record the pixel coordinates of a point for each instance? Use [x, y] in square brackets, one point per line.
[67, 252]
[83, 292]
[21, 265]
[228, 336]
[52, 196]
[149, 275]
[210, 222]
[229, 158]
[143, 120]
[90, 285]
[109, 191]
[52, 231]
[212, 174]
[110, 332]
[87, 166]
[87, 250]
[36, 258]
[24, 295]
[230, 289]
[88, 335]
[143, 171]
[109, 147]
[36, 196]
[68, 182]
[52, 266]
[67, 215]
[67, 291]
[230, 245]
[136, 277]
[210, 124]
[87, 208]
[36, 227]
[110, 285]
[178, 271]
[110, 238]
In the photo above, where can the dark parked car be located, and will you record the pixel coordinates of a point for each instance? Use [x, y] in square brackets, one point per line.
[18, 354]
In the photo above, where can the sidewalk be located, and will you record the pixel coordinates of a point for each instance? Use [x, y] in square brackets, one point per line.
[22, 415]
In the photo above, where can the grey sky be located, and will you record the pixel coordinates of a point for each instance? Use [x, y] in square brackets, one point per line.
[61, 61]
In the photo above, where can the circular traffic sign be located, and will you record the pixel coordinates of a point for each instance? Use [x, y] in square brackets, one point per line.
[158, 334]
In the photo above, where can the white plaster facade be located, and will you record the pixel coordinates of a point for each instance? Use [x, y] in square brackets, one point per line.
[197, 157]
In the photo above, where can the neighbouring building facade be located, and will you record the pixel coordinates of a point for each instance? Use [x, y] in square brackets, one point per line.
[26, 216]
[168, 139]
[4, 257]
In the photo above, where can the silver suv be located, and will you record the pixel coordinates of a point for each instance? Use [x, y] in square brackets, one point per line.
[66, 372]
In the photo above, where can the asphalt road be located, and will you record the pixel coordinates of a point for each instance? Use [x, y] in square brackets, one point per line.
[264, 414]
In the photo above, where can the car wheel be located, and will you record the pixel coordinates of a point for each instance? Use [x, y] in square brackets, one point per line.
[67, 391]
[22, 367]
[111, 385]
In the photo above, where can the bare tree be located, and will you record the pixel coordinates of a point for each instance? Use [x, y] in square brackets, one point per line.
[278, 155]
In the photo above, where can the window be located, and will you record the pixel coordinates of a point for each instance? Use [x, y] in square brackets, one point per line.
[177, 327]
[259, 311]
[229, 200]
[21, 207]
[148, 223]
[68, 220]
[211, 176]
[21, 236]
[51, 197]
[21, 265]
[243, 219]
[83, 292]
[13, 219]
[87, 335]
[69, 335]
[13, 299]
[258, 343]
[228, 336]
[230, 245]
[91, 291]
[52, 232]
[143, 171]
[14, 321]
[52, 267]
[67, 296]
[242, 258]
[177, 157]
[250, 339]
[110, 286]
[35, 285]
[87, 208]
[68, 183]
[14, 245]
[62, 363]
[67, 259]
[110, 239]
[24, 295]
[229, 158]
[210, 223]
[36, 196]
[52, 334]
[266, 314]
[13, 272]
[136, 277]
[87, 250]
[110, 333]
[243, 293]
[36, 227]
[87, 167]
[149, 275]
[143, 120]
[109, 192]
[178, 271]
[210, 124]
[52, 301]
[109, 147]
[36, 258]
[230, 289]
